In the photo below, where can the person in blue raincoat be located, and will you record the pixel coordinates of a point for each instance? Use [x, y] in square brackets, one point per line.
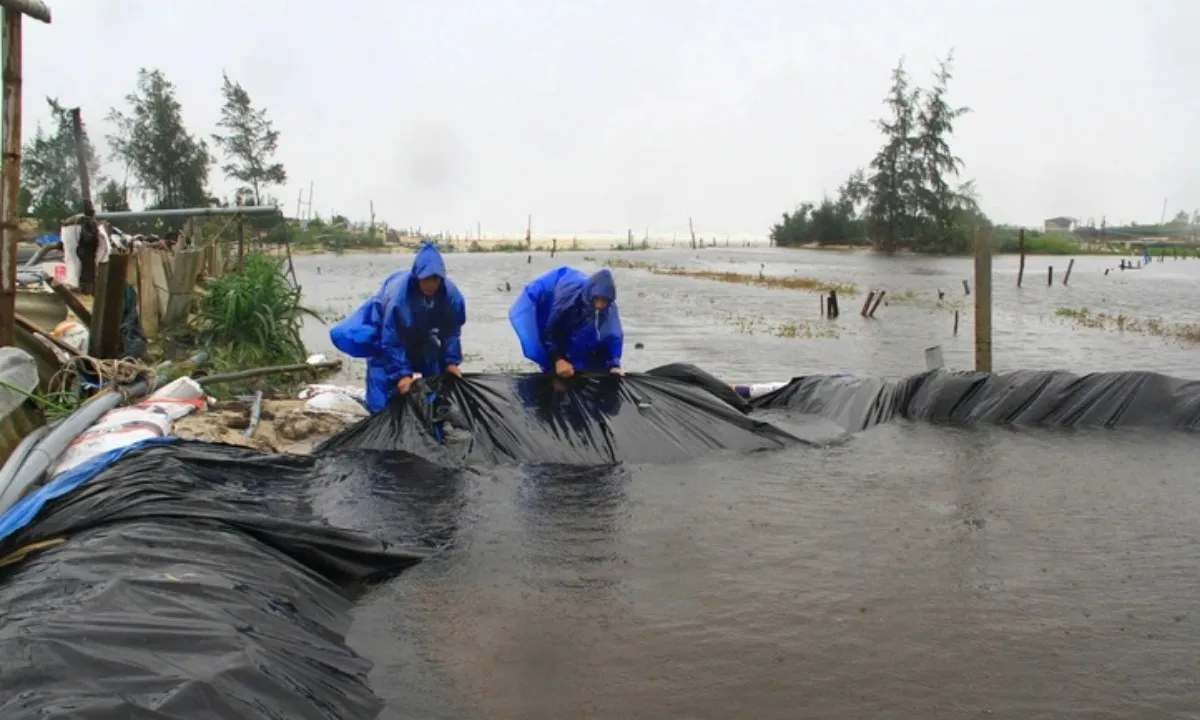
[568, 322]
[412, 325]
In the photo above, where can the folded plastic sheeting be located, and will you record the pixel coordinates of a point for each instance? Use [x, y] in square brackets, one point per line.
[540, 419]
[1027, 397]
[185, 581]
[692, 375]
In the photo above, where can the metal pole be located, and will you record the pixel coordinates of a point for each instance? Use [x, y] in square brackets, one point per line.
[254, 210]
[10, 145]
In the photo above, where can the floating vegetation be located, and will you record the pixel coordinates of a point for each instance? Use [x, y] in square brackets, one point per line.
[759, 325]
[785, 283]
[808, 331]
[1186, 333]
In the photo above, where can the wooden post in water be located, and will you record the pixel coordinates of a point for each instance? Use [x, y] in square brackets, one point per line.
[867, 305]
[1021, 249]
[1049, 276]
[983, 301]
[1067, 275]
[878, 299]
[956, 322]
[966, 288]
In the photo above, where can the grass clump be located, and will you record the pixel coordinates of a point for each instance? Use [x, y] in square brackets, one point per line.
[253, 319]
[53, 405]
[1185, 333]
[784, 283]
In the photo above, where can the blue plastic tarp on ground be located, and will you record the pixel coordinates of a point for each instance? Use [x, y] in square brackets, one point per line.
[27, 509]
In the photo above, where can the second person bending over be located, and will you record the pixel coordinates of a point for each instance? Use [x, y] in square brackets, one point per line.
[568, 322]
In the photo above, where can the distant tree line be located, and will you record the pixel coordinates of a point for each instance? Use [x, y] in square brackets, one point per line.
[909, 196]
[164, 164]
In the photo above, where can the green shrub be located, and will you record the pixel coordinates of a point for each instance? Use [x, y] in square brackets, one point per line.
[253, 319]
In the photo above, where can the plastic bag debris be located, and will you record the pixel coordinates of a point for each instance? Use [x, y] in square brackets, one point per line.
[1026, 397]
[73, 333]
[183, 581]
[336, 404]
[355, 391]
[347, 402]
[19, 378]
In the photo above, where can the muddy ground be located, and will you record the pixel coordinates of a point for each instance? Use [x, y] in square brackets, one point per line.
[284, 426]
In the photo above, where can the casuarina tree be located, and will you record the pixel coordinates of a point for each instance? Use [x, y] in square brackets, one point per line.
[909, 196]
[169, 164]
[249, 142]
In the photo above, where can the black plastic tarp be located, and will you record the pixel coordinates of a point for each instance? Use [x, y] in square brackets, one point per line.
[191, 580]
[1027, 397]
[187, 581]
[586, 420]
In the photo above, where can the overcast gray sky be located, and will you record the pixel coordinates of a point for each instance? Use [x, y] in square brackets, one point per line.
[601, 115]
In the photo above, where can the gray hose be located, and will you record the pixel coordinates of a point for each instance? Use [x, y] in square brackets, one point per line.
[18, 457]
[56, 441]
[42, 447]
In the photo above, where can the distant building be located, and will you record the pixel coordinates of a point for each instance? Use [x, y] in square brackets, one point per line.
[1059, 225]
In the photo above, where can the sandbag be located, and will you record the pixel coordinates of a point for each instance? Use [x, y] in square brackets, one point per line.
[591, 419]
[185, 580]
[1026, 397]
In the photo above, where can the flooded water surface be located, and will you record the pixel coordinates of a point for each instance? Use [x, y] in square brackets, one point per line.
[909, 571]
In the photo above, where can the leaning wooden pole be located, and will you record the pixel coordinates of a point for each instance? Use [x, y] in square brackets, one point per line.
[983, 301]
[81, 157]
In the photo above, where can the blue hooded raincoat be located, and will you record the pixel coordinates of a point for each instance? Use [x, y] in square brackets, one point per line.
[401, 331]
[554, 318]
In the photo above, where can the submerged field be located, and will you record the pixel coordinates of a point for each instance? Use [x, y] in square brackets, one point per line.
[910, 571]
[682, 306]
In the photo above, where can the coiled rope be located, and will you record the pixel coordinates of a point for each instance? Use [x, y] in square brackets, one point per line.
[112, 374]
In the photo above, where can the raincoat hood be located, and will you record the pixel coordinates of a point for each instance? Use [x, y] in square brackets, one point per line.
[428, 263]
[601, 285]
